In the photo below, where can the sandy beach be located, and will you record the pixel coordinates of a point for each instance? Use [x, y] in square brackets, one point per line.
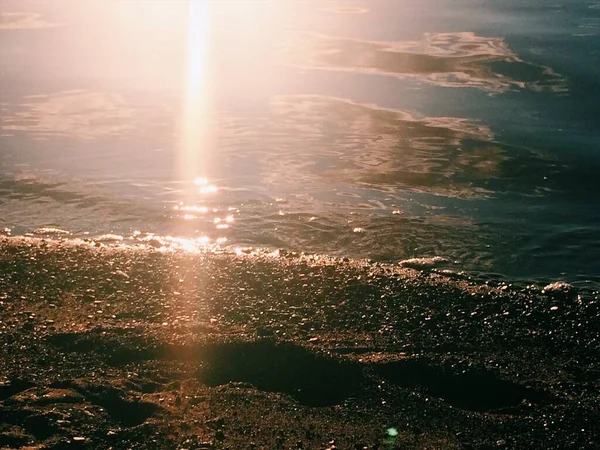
[113, 347]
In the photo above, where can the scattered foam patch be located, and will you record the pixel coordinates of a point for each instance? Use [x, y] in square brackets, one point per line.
[423, 263]
[82, 114]
[458, 59]
[51, 231]
[109, 238]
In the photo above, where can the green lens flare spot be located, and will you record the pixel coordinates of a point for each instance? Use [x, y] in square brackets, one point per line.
[392, 432]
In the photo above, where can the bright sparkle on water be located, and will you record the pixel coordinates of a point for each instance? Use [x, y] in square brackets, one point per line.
[201, 181]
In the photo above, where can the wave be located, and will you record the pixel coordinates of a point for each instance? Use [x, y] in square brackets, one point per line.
[462, 59]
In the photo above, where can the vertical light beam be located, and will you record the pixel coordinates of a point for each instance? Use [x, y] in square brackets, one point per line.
[196, 127]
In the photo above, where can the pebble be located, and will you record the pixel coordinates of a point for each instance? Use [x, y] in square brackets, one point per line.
[558, 287]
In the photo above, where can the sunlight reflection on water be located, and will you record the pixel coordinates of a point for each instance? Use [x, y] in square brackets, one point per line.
[371, 129]
[196, 127]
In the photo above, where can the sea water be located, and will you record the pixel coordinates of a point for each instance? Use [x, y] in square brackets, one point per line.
[463, 130]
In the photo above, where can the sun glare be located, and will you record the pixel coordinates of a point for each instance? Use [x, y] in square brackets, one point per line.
[195, 133]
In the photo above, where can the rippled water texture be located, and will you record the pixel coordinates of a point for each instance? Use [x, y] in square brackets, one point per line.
[376, 129]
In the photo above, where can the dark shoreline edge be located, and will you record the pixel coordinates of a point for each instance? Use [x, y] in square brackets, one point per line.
[136, 348]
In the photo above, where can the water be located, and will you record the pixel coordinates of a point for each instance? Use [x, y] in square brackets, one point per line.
[375, 129]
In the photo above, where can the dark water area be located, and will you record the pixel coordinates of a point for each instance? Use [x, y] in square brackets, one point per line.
[383, 129]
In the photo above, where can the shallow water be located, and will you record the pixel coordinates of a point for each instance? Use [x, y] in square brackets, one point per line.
[380, 129]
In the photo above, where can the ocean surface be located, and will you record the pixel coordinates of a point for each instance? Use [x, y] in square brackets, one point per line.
[381, 129]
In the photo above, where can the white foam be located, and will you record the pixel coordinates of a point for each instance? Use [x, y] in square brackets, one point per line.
[423, 263]
[50, 230]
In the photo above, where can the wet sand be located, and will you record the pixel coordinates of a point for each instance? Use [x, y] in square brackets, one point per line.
[113, 347]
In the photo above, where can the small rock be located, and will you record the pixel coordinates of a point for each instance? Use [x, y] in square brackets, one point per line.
[558, 287]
